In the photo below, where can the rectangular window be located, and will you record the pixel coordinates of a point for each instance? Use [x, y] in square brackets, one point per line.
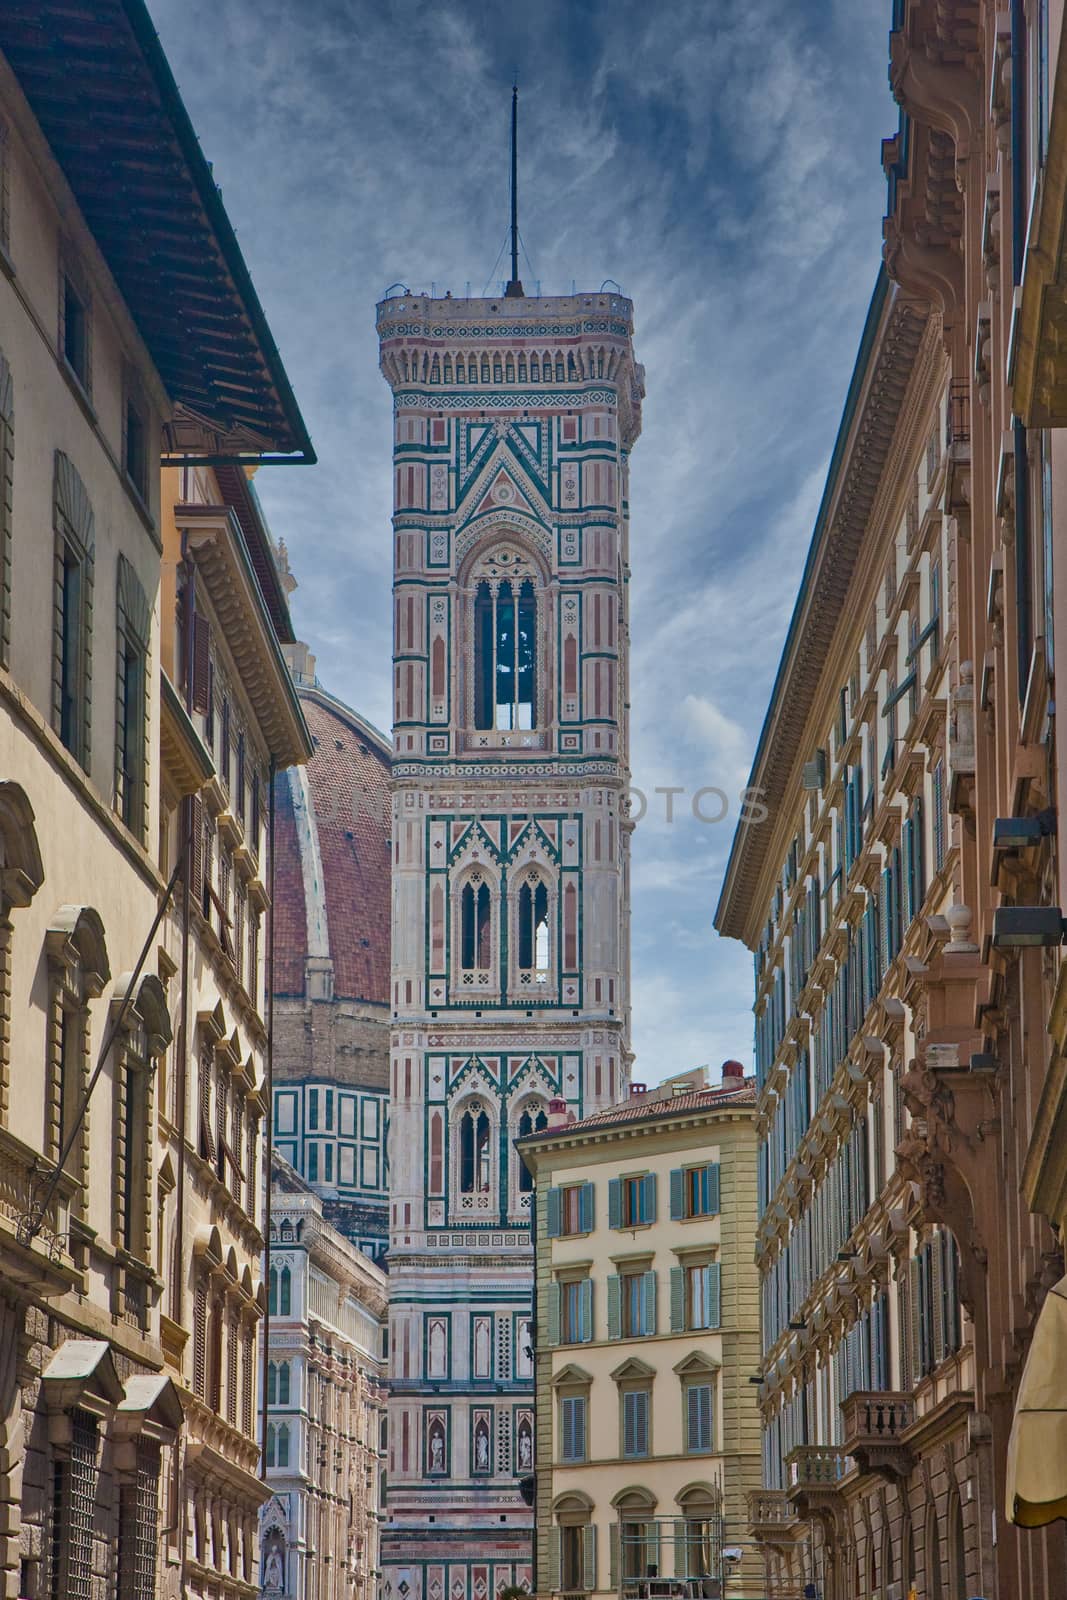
[576, 1311]
[636, 1200]
[76, 332]
[136, 448]
[698, 1417]
[698, 1296]
[313, 1163]
[138, 1528]
[637, 1298]
[74, 1512]
[636, 1405]
[695, 1191]
[313, 1108]
[71, 643]
[572, 1427]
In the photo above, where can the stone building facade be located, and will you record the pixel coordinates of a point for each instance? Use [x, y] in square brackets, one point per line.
[513, 421]
[110, 360]
[894, 1362]
[647, 1426]
[325, 1430]
[331, 964]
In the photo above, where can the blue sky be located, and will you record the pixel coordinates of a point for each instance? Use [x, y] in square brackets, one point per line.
[721, 160]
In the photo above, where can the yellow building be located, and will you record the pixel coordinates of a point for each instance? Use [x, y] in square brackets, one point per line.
[647, 1335]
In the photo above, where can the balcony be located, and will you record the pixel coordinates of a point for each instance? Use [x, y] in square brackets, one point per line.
[874, 1422]
[815, 1473]
[771, 1517]
[958, 446]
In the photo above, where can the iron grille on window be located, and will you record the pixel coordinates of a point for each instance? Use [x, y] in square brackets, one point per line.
[138, 1528]
[73, 1512]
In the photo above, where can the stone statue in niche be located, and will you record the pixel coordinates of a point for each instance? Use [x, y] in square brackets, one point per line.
[481, 1447]
[481, 1348]
[273, 1569]
[435, 1443]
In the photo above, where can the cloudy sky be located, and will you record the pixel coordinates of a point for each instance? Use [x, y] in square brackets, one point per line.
[721, 160]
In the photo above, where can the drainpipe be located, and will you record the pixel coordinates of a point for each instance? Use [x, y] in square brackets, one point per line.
[188, 814]
[1024, 624]
[269, 985]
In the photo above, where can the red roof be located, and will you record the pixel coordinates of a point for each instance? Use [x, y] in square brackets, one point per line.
[348, 788]
[646, 1107]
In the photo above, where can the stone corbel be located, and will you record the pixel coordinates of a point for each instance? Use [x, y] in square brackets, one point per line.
[941, 96]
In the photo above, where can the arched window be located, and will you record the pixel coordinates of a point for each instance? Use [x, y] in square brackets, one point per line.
[283, 1444]
[474, 1151]
[283, 1383]
[532, 1120]
[475, 925]
[533, 929]
[505, 655]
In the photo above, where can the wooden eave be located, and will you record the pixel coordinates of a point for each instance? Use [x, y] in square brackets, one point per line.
[185, 758]
[212, 537]
[1037, 359]
[891, 340]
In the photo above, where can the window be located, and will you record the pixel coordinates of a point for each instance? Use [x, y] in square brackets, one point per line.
[135, 444]
[474, 1153]
[134, 623]
[475, 925]
[632, 1201]
[75, 328]
[277, 1444]
[577, 1563]
[576, 1310]
[75, 538]
[632, 1305]
[702, 1295]
[138, 1527]
[636, 1409]
[533, 929]
[7, 462]
[505, 628]
[699, 1417]
[313, 1163]
[135, 1136]
[572, 1419]
[278, 1383]
[570, 1210]
[695, 1191]
[281, 1292]
[74, 1512]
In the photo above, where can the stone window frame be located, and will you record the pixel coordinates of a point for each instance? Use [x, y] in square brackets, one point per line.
[635, 1376]
[21, 876]
[483, 1202]
[144, 1038]
[533, 874]
[78, 973]
[72, 273]
[693, 1371]
[133, 641]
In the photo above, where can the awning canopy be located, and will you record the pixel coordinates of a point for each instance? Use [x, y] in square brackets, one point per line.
[1037, 1449]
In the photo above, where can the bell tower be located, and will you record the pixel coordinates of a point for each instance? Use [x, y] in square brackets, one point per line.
[513, 421]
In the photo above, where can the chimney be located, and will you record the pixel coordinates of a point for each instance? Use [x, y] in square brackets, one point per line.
[558, 1115]
[733, 1075]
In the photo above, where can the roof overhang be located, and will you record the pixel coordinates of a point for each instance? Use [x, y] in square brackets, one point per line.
[100, 87]
[212, 537]
[1038, 354]
[891, 339]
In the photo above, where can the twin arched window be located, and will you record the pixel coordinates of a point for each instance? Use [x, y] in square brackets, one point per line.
[281, 1292]
[505, 655]
[277, 1444]
[278, 1383]
[533, 929]
[475, 926]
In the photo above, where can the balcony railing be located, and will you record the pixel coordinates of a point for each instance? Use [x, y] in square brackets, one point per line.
[771, 1515]
[815, 1473]
[874, 1422]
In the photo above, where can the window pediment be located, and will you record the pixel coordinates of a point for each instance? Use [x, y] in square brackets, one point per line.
[697, 1365]
[21, 868]
[573, 1376]
[633, 1369]
[75, 942]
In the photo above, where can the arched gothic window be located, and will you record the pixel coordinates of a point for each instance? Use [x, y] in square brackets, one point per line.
[532, 1120]
[281, 1292]
[533, 929]
[474, 1151]
[475, 926]
[505, 655]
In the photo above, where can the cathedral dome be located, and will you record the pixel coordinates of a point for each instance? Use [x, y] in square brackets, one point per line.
[332, 860]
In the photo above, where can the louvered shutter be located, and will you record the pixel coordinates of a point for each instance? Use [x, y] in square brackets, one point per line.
[614, 1307]
[589, 1556]
[648, 1302]
[555, 1553]
[555, 1213]
[919, 850]
[652, 1547]
[937, 1296]
[677, 1299]
[886, 918]
[914, 1297]
[677, 1193]
[648, 1197]
[585, 1310]
[613, 1546]
[201, 664]
[554, 1294]
[714, 1189]
[586, 1208]
[615, 1203]
[714, 1295]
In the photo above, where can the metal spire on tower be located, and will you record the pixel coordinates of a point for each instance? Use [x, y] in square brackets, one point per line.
[514, 289]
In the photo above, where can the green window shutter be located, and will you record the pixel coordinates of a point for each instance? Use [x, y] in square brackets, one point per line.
[677, 1193]
[681, 1550]
[937, 1274]
[613, 1542]
[589, 1556]
[554, 1292]
[652, 1545]
[614, 1307]
[615, 1203]
[714, 1295]
[586, 1208]
[648, 1197]
[648, 1302]
[914, 1334]
[554, 1557]
[714, 1189]
[555, 1213]
[585, 1310]
[698, 1417]
[677, 1299]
